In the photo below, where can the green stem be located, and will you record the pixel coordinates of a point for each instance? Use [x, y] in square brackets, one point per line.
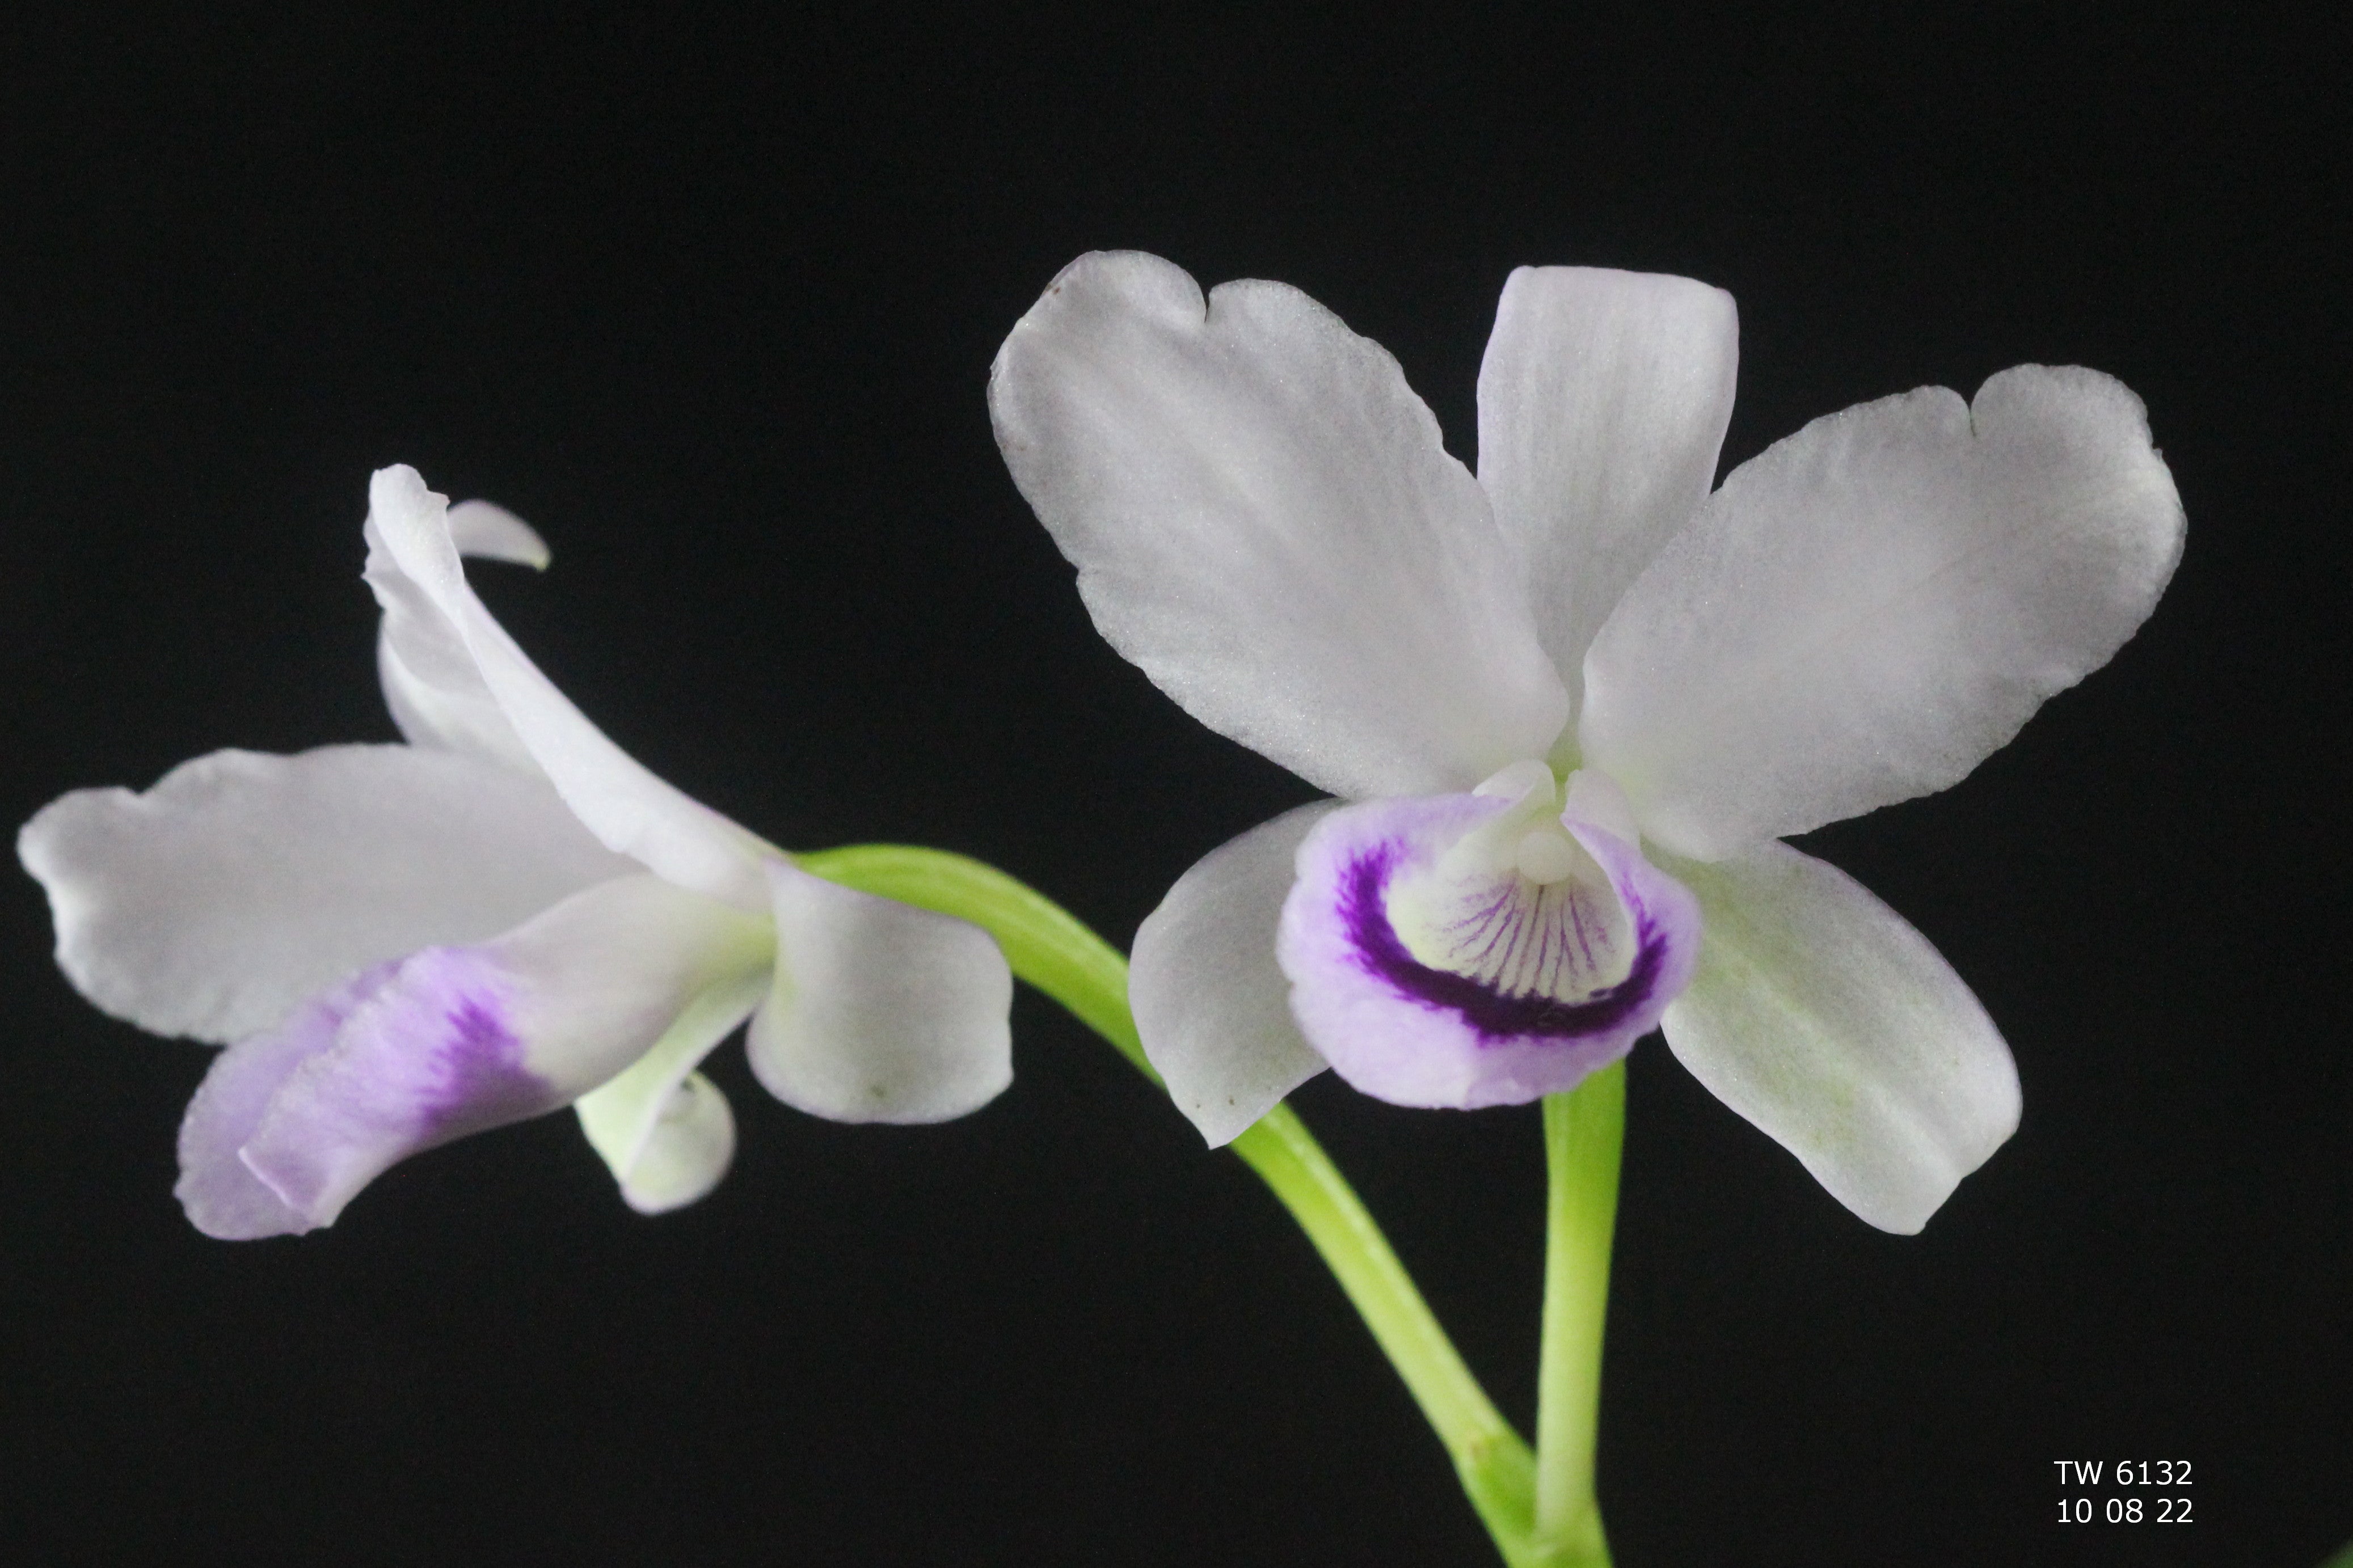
[1584, 1131]
[1053, 951]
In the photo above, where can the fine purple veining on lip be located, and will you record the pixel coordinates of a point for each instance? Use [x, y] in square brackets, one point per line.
[1492, 1014]
[1541, 984]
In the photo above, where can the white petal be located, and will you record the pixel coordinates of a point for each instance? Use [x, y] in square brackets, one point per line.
[452, 710]
[1866, 610]
[1602, 404]
[664, 1130]
[456, 1040]
[242, 884]
[1211, 1003]
[880, 1010]
[1822, 1016]
[494, 534]
[1263, 519]
[436, 696]
[417, 574]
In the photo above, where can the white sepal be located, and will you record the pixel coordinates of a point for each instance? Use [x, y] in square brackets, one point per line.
[1211, 1004]
[242, 884]
[1821, 1015]
[1602, 403]
[879, 1011]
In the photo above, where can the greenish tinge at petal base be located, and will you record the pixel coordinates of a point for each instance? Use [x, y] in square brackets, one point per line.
[625, 1119]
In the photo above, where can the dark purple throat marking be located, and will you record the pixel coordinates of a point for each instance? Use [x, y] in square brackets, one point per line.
[480, 1079]
[1494, 1016]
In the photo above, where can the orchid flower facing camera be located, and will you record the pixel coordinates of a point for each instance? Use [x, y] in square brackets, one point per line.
[402, 944]
[1570, 706]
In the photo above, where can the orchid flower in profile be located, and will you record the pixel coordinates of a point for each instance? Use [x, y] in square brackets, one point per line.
[402, 944]
[1570, 706]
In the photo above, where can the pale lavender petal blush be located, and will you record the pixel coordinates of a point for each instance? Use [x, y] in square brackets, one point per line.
[290, 1124]
[222, 1197]
[1429, 970]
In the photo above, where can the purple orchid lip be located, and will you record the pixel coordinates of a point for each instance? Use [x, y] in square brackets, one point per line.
[1537, 980]
[292, 1124]
[481, 1081]
[1493, 1013]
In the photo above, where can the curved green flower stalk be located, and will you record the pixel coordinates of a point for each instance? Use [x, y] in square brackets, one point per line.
[1541, 1512]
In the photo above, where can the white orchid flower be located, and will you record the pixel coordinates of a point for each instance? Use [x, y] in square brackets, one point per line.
[1576, 700]
[402, 944]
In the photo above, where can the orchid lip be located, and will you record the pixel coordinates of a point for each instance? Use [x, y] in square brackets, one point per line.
[1494, 1013]
[410, 1055]
[1428, 965]
[482, 1080]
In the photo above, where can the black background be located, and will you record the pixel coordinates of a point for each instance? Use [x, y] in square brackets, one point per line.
[713, 303]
